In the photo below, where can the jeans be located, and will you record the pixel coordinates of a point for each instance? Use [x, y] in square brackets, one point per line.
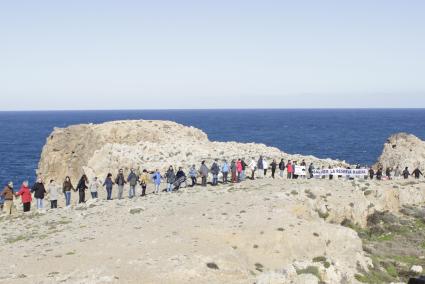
[93, 195]
[39, 203]
[109, 193]
[281, 173]
[225, 175]
[132, 191]
[239, 176]
[243, 175]
[204, 181]
[169, 187]
[68, 198]
[193, 181]
[143, 190]
[82, 195]
[120, 191]
[53, 204]
[157, 188]
[215, 180]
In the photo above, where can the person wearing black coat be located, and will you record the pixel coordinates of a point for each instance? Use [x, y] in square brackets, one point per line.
[39, 192]
[282, 167]
[81, 187]
[274, 167]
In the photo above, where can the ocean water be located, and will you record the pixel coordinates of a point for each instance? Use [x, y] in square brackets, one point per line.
[353, 135]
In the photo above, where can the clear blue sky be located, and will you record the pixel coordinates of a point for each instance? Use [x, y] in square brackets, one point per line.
[211, 54]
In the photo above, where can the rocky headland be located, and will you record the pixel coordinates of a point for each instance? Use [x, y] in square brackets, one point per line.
[261, 231]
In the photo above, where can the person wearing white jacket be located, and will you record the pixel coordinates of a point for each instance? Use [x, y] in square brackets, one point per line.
[265, 167]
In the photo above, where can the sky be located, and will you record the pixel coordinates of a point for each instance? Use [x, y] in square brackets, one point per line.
[102, 54]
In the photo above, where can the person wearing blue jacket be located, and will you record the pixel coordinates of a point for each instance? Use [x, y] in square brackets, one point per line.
[109, 184]
[225, 171]
[193, 173]
[156, 177]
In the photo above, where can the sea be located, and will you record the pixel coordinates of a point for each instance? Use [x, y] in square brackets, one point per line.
[354, 135]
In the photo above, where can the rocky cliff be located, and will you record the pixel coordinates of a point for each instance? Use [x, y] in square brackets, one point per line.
[99, 149]
[403, 150]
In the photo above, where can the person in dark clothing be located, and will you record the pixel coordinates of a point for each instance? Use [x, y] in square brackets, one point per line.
[331, 176]
[180, 179]
[109, 184]
[234, 171]
[417, 173]
[215, 170]
[81, 187]
[244, 165]
[371, 173]
[406, 173]
[379, 174]
[39, 192]
[310, 170]
[282, 167]
[388, 173]
[274, 167]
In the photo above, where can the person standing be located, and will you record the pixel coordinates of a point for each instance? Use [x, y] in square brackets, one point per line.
[397, 173]
[388, 173]
[274, 167]
[244, 165]
[234, 170]
[265, 167]
[108, 184]
[52, 191]
[94, 187]
[132, 179]
[120, 181]
[289, 170]
[144, 182]
[39, 193]
[253, 166]
[239, 170]
[81, 187]
[282, 167]
[7, 194]
[311, 170]
[157, 181]
[406, 173]
[204, 173]
[171, 178]
[25, 194]
[215, 170]
[66, 189]
[417, 173]
[225, 171]
[371, 173]
[260, 167]
[193, 174]
[294, 170]
[379, 174]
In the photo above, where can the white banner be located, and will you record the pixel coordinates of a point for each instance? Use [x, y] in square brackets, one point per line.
[299, 171]
[355, 173]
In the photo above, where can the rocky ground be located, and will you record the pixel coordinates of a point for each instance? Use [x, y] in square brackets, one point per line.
[262, 231]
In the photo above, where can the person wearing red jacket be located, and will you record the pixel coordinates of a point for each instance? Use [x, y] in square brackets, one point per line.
[25, 193]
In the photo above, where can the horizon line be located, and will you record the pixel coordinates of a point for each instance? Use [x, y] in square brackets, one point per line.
[213, 109]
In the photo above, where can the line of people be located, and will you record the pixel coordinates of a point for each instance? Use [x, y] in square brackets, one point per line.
[237, 170]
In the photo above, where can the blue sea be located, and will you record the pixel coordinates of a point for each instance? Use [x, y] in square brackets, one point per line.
[353, 135]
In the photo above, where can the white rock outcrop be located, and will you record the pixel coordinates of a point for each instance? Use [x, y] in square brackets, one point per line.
[403, 150]
[97, 150]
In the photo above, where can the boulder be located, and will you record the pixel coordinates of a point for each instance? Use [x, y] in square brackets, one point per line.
[403, 150]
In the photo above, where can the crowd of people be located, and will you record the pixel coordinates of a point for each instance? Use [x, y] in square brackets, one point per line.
[234, 171]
